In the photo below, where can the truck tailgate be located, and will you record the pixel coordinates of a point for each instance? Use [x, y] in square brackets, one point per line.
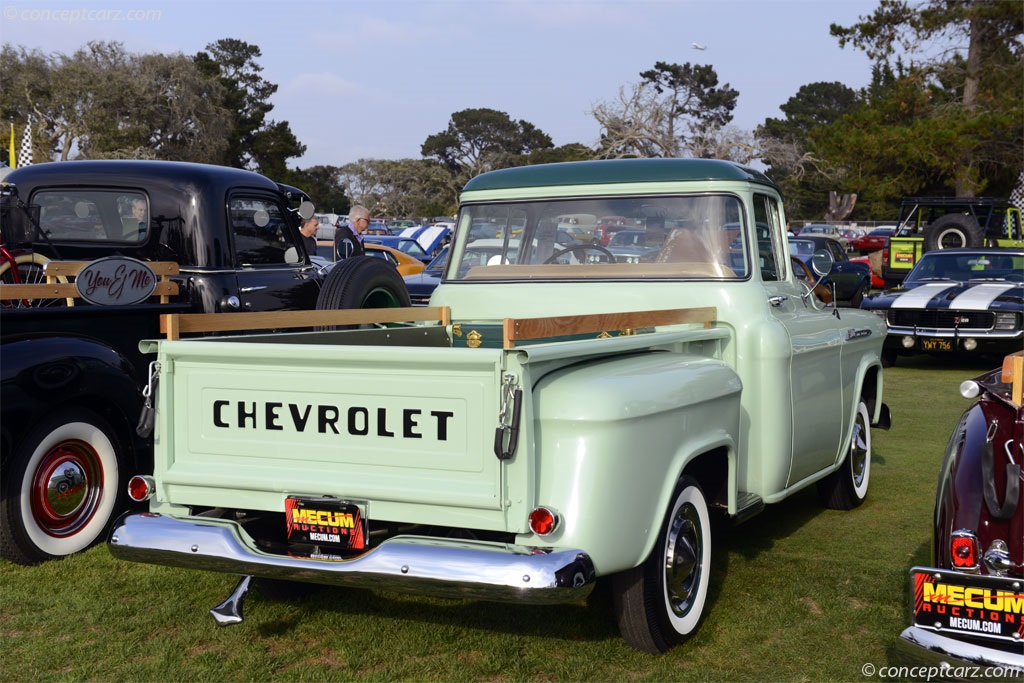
[386, 425]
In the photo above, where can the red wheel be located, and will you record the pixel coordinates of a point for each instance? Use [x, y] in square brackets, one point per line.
[62, 490]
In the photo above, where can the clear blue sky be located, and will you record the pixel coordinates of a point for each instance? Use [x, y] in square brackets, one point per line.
[372, 79]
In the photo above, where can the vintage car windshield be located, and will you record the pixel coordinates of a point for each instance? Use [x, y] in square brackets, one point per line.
[963, 267]
[695, 237]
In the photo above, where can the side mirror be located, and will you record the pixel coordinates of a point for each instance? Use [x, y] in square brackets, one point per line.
[822, 262]
[306, 209]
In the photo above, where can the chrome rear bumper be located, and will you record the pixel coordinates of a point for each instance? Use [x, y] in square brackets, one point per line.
[436, 566]
[927, 648]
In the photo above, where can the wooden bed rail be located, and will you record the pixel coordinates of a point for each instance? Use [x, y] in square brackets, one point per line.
[175, 324]
[1013, 374]
[521, 329]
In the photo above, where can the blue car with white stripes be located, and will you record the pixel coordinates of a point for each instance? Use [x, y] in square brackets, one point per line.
[955, 301]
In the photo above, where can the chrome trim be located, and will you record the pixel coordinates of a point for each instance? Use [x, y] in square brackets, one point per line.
[436, 566]
[925, 647]
[980, 333]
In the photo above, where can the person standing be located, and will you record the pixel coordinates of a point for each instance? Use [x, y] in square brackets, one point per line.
[308, 231]
[348, 240]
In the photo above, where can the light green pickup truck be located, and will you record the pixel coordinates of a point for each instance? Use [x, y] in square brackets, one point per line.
[561, 414]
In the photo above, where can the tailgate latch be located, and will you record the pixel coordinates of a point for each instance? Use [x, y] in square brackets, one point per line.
[506, 435]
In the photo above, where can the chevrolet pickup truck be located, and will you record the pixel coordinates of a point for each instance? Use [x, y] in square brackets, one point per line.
[554, 418]
[220, 239]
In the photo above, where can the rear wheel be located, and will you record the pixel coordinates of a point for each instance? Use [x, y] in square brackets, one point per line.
[62, 488]
[953, 231]
[847, 487]
[661, 602]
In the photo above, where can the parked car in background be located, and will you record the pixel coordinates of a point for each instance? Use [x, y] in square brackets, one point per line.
[406, 264]
[377, 228]
[956, 301]
[877, 281]
[609, 225]
[403, 244]
[630, 246]
[421, 285]
[852, 280]
[873, 241]
[823, 230]
[967, 604]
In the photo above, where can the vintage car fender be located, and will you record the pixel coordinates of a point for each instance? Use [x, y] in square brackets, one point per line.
[623, 430]
[41, 375]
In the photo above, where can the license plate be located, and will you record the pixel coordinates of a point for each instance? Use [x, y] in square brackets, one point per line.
[936, 345]
[329, 523]
[959, 604]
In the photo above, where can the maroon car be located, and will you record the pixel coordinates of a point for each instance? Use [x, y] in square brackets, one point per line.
[873, 241]
[968, 606]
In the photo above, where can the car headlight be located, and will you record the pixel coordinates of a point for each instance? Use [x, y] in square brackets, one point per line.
[1006, 320]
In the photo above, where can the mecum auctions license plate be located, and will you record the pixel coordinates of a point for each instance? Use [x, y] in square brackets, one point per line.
[958, 604]
[329, 523]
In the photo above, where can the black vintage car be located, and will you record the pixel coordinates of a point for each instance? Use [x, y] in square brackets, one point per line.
[968, 606]
[72, 374]
[967, 301]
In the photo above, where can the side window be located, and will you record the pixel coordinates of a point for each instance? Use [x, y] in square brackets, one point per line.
[772, 254]
[261, 233]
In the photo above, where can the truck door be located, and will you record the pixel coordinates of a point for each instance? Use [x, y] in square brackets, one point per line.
[271, 269]
[815, 378]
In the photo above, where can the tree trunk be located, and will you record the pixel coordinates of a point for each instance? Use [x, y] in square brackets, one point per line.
[839, 206]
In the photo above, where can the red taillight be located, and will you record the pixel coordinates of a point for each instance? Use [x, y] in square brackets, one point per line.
[141, 488]
[963, 550]
[543, 521]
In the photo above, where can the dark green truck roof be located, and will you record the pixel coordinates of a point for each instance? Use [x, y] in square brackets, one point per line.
[616, 171]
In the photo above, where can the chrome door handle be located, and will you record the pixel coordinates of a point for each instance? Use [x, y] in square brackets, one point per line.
[777, 300]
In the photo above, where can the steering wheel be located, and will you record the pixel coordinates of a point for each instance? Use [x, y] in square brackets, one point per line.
[580, 250]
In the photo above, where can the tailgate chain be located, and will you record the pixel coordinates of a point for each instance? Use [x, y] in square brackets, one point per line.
[508, 425]
[147, 416]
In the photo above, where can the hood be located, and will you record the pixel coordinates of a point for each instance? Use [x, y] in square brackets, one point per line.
[975, 295]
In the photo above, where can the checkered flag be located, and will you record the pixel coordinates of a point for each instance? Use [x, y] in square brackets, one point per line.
[25, 154]
[1017, 196]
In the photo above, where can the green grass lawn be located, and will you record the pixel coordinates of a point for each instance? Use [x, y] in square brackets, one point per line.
[799, 593]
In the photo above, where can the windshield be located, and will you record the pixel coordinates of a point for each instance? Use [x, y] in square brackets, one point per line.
[961, 267]
[668, 237]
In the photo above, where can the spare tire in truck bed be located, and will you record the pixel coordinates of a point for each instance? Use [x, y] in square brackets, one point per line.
[363, 282]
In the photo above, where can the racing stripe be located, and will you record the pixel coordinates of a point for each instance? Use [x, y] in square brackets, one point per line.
[920, 296]
[979, 297]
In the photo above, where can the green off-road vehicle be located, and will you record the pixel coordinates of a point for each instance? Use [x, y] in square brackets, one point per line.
[928, 223]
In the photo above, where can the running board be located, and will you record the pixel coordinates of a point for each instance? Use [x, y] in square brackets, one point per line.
[747, 505]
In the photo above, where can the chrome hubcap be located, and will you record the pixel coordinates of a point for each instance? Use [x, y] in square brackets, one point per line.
[682, 559]
[858, 451]
[66, 488]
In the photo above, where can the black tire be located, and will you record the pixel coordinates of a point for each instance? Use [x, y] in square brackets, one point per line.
[62, 489]
[661, 602]
[952, 231]
[362, 282]
[847, 487]
[858, 296]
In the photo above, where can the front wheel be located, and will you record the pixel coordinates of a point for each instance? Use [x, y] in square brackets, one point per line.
[661, 602]
[847, 487]
[61, 490]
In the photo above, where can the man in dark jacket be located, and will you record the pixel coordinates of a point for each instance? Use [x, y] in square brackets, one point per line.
[348, 239]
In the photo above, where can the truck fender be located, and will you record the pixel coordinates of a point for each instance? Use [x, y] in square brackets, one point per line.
[624, 429]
